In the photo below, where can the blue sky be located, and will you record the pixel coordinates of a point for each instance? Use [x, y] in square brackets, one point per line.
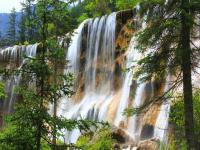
[7, 5]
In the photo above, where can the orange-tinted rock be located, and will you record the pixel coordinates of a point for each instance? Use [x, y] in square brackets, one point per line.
[121, 136]
[151, 144]
[125, 36]
[123, 17]
[112, 108]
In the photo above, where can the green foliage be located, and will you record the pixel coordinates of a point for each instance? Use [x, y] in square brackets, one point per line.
[43, 83]
[45, 145]
[28, 27]
[101, 140]
[11, 139]
[60, 17]
[11, 32]
[161, 34]
[26, 43]
[95, 8]
[126, 4]
[22, 29]
[92, 8]
[2, 91]
[98, 7]
[177, 119]
[173, 145]
[83, 17]
[166, 43]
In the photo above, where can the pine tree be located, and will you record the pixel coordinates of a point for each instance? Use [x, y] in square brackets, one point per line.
[28, 7]
[22, 28]
[11, 33]
[43, 83]
[168, 32]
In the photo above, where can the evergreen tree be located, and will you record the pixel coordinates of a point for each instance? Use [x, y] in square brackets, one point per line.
[91, 8]
[31, 27]
[22, 28]
[170, 25]
[60, 18]
[11, 33]
[42, 83]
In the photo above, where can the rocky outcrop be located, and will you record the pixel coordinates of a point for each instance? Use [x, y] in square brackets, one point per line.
[124, 32]
[144, 123]
[121, 136]
[151, 144]
[125, 142]
[123, 17]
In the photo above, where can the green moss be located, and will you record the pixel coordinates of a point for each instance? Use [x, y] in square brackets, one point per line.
[131, 25]
[83, 17]
[101, 140]
[2, 91]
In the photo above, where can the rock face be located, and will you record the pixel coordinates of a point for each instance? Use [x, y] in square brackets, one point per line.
[121, 136]
[147, 131]
[102, 56]
[125, 142]
[12, 58]
[148, 145]
[151, 144]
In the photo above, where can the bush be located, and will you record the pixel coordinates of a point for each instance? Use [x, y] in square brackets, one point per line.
[177, 120]
[102, 140]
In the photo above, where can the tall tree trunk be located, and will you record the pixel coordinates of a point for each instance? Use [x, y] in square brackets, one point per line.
[186, 68]
[55, 108]
[54, 141]
[42, 81]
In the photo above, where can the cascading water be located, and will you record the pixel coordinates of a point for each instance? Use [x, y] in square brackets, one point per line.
[101, 41]
[132, 57]
[100, 100]
[161, 125]
[14, 56]
[73, 54]
[100, 53]
[92, 59]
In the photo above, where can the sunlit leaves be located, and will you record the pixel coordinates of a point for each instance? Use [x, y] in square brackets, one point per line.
[2, 91]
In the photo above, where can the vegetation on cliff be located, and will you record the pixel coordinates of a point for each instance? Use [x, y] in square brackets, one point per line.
[169, 32]
[170, 26]
[177, 137]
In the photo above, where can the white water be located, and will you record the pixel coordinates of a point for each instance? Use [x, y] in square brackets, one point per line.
[14, 55]
[73, 54]
[100, 51]
[100, 100]
[132, 57]
[99, 95]
[161, 125]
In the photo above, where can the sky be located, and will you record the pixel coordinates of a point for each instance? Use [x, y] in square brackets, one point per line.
[7, 5]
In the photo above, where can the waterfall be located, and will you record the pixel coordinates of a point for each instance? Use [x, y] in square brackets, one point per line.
[100, 40]
[132, 57]
[100, 100]
[14, 56]
[73, 54]
[94, 62]
[161, 125]
[99, 67]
